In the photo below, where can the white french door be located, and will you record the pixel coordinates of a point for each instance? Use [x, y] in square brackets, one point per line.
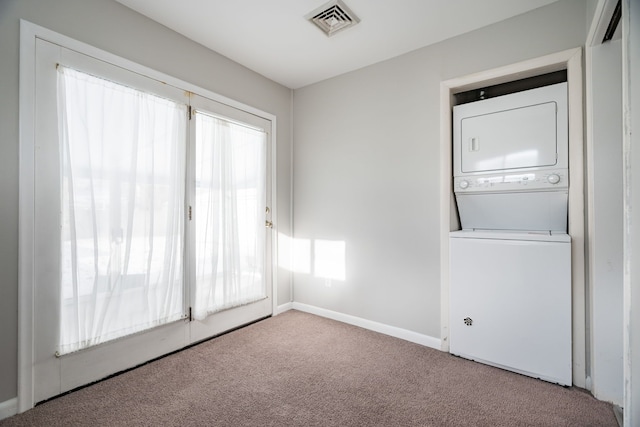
[229, 195]
[149, 230]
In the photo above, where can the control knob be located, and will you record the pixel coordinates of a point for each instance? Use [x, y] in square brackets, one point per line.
[554, 178]
[464, 184]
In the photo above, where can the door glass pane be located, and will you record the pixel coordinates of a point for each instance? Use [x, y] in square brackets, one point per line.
[122, 231]
[229, 214]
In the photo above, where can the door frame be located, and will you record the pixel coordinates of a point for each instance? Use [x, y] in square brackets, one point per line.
[29, 32]
[571, 60]
[597, 362]
[631, 152]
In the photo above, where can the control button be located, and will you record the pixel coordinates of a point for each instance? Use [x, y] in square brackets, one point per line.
[464, 184]
[554, 178]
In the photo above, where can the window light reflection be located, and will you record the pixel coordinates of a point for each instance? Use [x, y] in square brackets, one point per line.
[294, 254]
[329, 259]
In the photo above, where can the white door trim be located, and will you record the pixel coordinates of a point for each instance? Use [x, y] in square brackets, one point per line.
[29, 32]
[600, 22]
[8, 408]
[571, 60]
[631, 151]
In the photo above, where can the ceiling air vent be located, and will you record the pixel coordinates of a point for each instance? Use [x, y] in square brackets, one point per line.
[333, 17]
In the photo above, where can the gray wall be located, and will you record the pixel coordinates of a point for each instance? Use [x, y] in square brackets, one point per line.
[367, 171]
[108, 25]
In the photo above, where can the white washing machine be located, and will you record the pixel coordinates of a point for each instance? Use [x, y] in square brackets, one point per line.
[510, 287]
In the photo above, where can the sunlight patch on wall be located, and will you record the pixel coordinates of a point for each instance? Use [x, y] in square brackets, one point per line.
[324, 259]
[330, 259]
[302, 256]
[294, 254]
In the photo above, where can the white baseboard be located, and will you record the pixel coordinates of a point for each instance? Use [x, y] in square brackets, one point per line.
[282, 308]
[8, 408]
[393, 331]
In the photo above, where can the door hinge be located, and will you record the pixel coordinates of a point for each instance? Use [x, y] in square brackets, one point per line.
[190, 214]
[190, 315]
[189, 111]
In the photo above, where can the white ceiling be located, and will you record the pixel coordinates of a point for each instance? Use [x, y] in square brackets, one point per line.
[273, 37]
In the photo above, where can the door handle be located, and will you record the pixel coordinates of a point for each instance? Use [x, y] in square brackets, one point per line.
[474, 145]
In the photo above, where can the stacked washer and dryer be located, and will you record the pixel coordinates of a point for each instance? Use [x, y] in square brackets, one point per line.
[510, 289]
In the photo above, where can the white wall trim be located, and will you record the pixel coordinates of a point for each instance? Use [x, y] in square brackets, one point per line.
[597, 29]
[571, 60]
[600, 21]
[8, 408]
[283, 307]
[26, 197]
[448, 218]
[382, 328]
[291, 190]
[29, 33]
[274, 218]
[589, 179]
[577, 217]
[631, 146]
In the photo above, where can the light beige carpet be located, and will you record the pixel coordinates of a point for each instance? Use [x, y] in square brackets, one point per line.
[297, 369]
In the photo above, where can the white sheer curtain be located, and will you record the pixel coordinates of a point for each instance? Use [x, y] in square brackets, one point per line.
[122, 232]
[229, 215]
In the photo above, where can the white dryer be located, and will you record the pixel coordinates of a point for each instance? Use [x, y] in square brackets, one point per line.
[510, 161]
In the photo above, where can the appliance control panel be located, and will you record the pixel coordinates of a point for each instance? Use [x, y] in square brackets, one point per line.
[513, 181]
